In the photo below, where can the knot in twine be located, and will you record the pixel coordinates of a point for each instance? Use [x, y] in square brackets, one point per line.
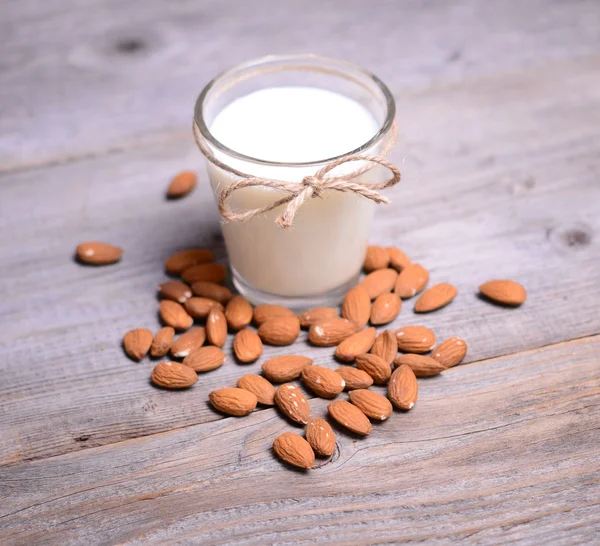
[299, 193]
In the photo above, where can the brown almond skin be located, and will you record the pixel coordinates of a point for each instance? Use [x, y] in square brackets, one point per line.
[284, 368]
[174, 290]
[212, 291]
[385, 346]
[322, 381]
[216, 327]
[184, 259]
[372, 404]
[355, 378]
[190, 341]
[450, 352]
[210, 272]
[356, 344]
[233, 401]
[415, 339]
[375, 366]
[292, 403]
[173, 314]
[398, 260]
[331, 332]
[316, 314]
[377, 258]
[504, 292]
[262, 313]
[379, 282]
[162, 342]
[200, 307]
[435, 298]
[321, 437]
[412, 279]
[422, 366]
[238, 313]
[279, 331]
[97, 253]
[205, 359]
[294, 450]
[260, 387]
[385, 309]
[182, 184]
[350, 417]
[403, 388]
[247, 346]
[356, 306]
[173, 375]
[137, 343]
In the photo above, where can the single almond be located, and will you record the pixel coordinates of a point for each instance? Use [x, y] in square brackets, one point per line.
[385, 346]
[356, 344]
[411, 281]
[316, 314]
[415, 339]
[403, 388]
[185, 259]
[190, 341]
[294, 450]
[173, 375]
[379, 282]
[260, 387]
[331, 332]
[162, 342]
[377, 258]
[350, 417]
[357, 306]
[423, 366]
[200, 307]
[174, 290]
[209, 272]
[263, 313]
[385, 309]
[233, 401]
[182, 184]
[97, 253]
[322, 381]
[238, 313]
[355, 378]
[372, 404]
[398, 260]
[174, 315]
[435, 297]
[281, 369]
[205, 359]
[320, 436]
[505, 292]
[292, 403]
[137, 343]
[279, 330]
[213, 291]
[375, 366]
[247, 346]
[450, 352]
[216, 327]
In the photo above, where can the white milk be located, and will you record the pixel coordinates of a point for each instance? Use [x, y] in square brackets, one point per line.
[325, 247]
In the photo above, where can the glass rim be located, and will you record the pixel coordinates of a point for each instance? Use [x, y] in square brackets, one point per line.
[390, 105]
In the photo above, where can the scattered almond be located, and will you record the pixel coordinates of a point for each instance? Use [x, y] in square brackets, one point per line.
[247, 346]
[205, 359]
[331, 332]
[291, 402]
[182, 184]
[411, 281]
[377, 258]
[174, 290]
[97, 253]
[385, 309]
[200, 307]
[279, 330]
[137, 343]
[355, 378]
[350, 417]
[263, 313]
[435, 297]
[450, 352]
[185, 259]
[190, 341]
[210, 272]
[375, 366]
[320, 436]
[398, 260]
[316, 314]
[322, 381]
[172, 375]
[357, 306]
[216, 327]
[174, 315]
[162, 342]
[505, 292]
[233, 401]
[281, 369]
[385, 346]
[238, 313]
[356, 344]
[379, 282]
[260, 387]
[294, 450]
[403, 388]
[212, 291]
[422, 366]
[415, 339]
[372, 404]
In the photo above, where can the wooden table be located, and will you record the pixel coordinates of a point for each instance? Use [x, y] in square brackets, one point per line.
[499, 112]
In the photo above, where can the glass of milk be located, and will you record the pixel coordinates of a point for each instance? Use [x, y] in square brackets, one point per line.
[284, 118]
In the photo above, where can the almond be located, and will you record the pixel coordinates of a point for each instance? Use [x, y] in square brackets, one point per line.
[212, 291]
[200, 307]
[210, 272]
[263, 313]
[190, 341]
[172, 375]
[415, 339]
[233, 401]
[182, 184]
[350, 417]
[372, 404]
[291, 402]
[505, 292]
[247, 346]
[97, 253]
[238, 313]
[377, 258]
[435, 297]
[216, 327]
[385, 346]
[174, 290]
[205, 359]
[450, 352]
[162, 341]
[184, 259]
[357, 306]
[403, 388]
[398, 260]
[316, 314]
[385, 309]
[354, 378]
[260, 387]
[279, 330]
[331, 332]
[174, 315]
[356, 344]
[375, 366]
[422, 366]
[379, 282]
[281, 369]
[322, 381]
[294, 450]
[411, 281]
[320, 436]
[137, 343]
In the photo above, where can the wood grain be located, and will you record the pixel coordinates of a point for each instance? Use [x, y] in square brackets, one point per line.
[504, 450]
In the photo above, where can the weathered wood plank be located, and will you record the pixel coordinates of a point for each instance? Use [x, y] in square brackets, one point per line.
[500, 181]
[505, 450]
[79, 78]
